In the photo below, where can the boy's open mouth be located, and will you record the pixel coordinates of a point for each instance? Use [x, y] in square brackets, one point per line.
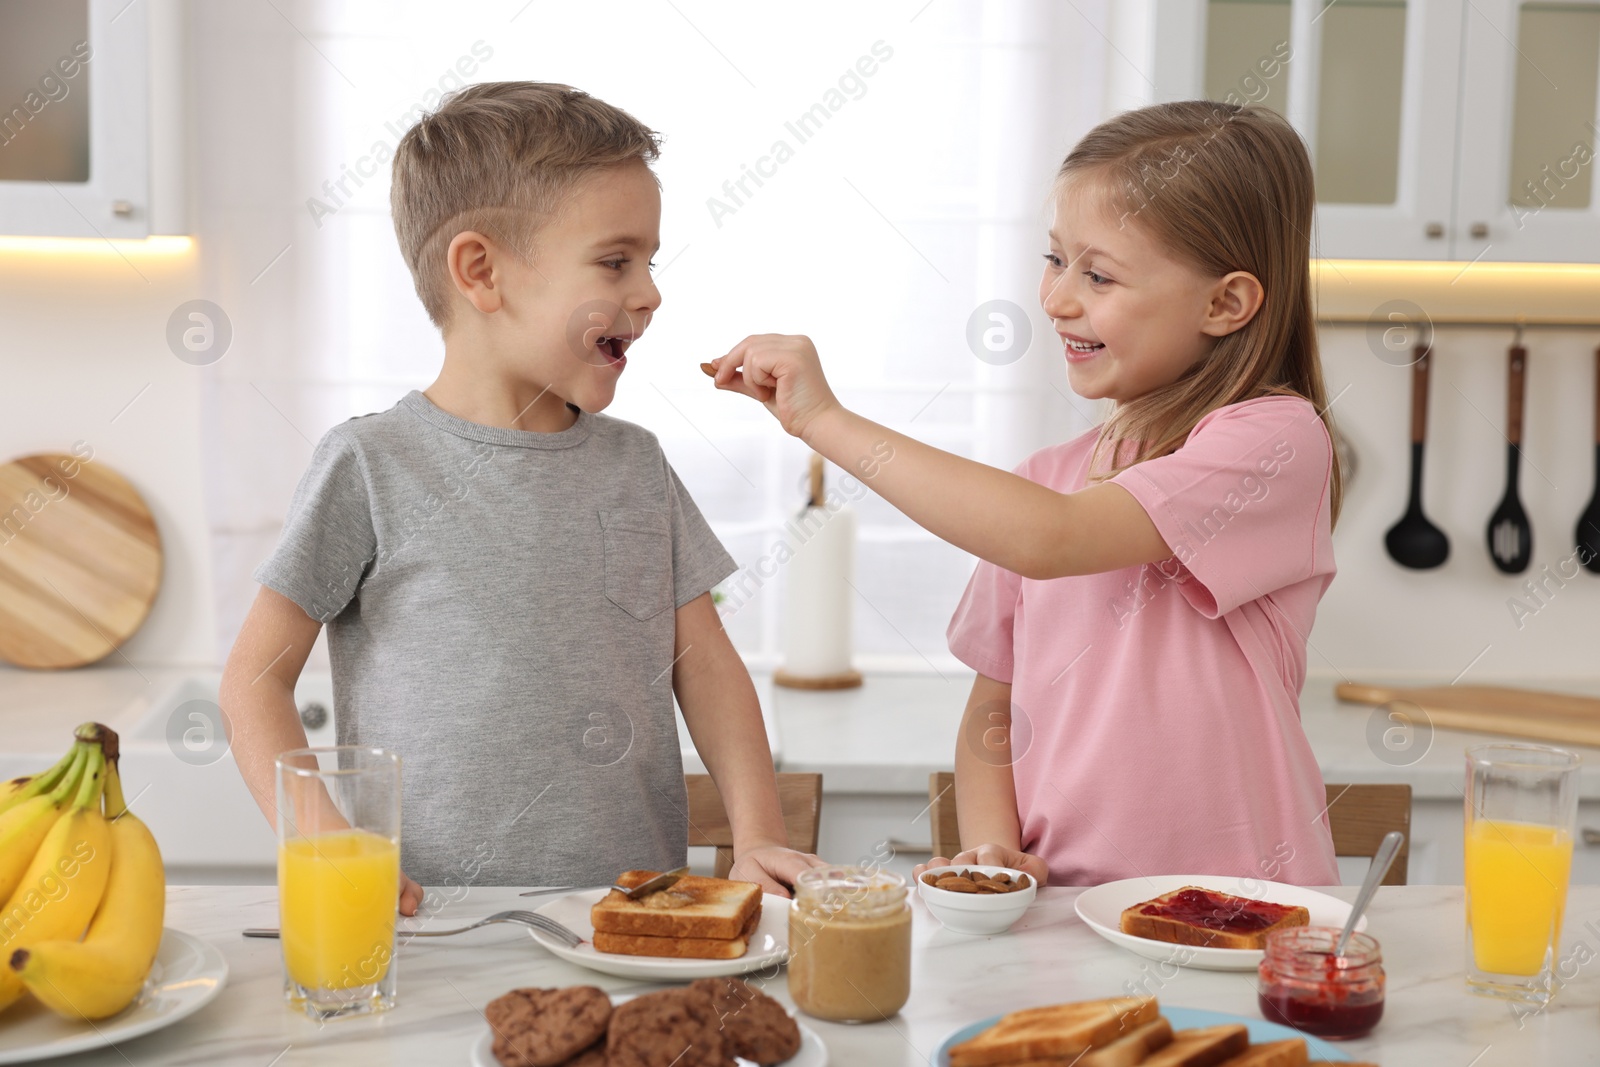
[614, 349]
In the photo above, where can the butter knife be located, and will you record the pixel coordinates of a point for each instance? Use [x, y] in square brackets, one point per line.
[650, 885]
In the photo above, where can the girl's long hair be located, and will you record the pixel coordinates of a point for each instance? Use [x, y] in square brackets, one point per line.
[1226, 188]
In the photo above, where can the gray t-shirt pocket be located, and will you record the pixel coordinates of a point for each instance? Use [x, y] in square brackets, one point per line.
[638, 560]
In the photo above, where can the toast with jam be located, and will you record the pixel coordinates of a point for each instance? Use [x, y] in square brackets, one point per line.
[1205, 918]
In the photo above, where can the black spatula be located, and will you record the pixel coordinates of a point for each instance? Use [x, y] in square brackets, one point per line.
[1589, 522]
[1510, 535]
[1414, 541]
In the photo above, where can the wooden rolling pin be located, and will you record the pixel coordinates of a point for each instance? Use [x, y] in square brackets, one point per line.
[1492, 709]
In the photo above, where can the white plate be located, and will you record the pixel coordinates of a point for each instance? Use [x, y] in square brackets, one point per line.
[187, 974]
[813, 1053]
[769, 945]
[1101, 908]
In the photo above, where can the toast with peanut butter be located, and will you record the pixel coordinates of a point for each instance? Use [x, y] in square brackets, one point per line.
[684, 948]
[694, 918]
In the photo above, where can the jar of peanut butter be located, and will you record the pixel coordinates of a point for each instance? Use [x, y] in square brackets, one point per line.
[849, 944]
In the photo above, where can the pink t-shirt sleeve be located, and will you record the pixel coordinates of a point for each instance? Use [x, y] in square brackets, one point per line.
[981, 628]
[1244, 503]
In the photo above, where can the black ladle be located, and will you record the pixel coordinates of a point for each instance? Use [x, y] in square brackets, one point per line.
[1414, 541]
[1510, 536]
[1589, 522]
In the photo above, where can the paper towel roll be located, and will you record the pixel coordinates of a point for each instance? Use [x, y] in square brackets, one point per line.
[818, 598]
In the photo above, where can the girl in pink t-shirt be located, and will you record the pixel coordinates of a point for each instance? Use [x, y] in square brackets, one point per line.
[1138, 619]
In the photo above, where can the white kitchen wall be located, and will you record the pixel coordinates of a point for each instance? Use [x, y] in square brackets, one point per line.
[83, 335]
[83, 356]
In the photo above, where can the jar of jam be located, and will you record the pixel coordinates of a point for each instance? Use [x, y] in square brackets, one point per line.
[849, 944]
[1306, 986]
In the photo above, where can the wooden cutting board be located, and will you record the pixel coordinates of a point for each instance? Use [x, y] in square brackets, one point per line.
[80, 560]
[1492, 709]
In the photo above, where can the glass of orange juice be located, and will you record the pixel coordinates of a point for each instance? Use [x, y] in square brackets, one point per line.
[1522, 804]
[338, 877]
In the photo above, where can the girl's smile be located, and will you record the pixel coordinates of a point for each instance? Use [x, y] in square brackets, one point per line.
[1079, 349]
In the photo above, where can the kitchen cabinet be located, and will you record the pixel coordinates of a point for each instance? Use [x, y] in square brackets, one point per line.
[1439, 129]
[90, 114]
[854, 827]
[1437, 844]
[1526, 188]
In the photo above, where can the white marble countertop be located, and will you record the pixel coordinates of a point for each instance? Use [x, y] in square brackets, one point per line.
[1049, 956]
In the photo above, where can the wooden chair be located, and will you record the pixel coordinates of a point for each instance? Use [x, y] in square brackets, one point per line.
[942, 813]
[1359, 816]
[800, 796]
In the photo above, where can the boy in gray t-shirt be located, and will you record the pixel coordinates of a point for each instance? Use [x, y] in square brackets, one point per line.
[515, 585]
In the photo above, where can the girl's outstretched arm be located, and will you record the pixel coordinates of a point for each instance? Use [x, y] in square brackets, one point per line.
[997, 516]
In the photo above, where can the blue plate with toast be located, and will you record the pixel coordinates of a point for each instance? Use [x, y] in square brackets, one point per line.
[1261, 1031]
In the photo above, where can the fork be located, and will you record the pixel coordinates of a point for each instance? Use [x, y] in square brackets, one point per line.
[521, 918]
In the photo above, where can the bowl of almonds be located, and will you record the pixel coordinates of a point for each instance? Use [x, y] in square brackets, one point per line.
[972, 899]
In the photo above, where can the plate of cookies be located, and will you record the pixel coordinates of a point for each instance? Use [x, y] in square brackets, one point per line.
[712, 1020]
[695, 928]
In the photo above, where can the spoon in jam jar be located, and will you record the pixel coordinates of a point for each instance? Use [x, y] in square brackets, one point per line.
[1382, 860]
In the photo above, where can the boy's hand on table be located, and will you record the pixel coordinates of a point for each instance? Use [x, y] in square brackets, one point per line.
[781, 371]
[773, 867]
[410, 895]
[991, 856]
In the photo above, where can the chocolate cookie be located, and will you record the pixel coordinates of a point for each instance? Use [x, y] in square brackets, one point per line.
[547, 1027]
[672, 1028]
[593, 1056]
[756, 1026]
[509, 1011]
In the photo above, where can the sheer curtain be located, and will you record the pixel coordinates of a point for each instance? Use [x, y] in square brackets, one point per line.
[871, 175]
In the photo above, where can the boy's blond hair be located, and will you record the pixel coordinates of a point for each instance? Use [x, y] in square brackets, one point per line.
[500, 158]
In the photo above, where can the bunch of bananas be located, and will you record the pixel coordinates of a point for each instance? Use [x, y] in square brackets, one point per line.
[83, 885]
